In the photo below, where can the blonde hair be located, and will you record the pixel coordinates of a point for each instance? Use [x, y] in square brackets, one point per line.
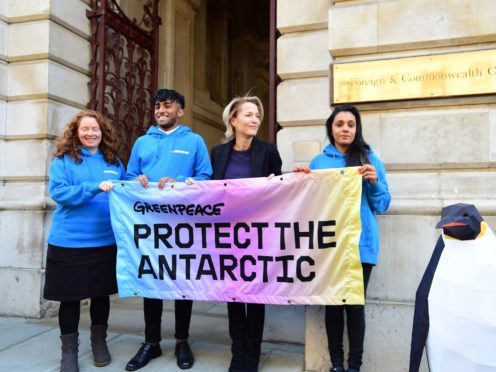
[232, 109]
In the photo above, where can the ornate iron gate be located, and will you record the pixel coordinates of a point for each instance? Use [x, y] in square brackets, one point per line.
[124, 68]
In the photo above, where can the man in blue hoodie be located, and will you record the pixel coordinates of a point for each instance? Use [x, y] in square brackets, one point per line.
[169, 152]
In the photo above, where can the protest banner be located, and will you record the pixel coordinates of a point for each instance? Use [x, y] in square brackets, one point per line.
[290, 239]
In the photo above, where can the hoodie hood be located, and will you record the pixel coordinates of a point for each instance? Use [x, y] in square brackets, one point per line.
[181, 130]
[85, 153]
[332, 151]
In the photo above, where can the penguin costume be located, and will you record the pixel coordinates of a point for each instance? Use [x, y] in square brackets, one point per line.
[455, 304]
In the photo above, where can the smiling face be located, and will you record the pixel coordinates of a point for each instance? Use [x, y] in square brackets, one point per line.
[89, 133]
[344, 130]
[247, 120]
[167, 114]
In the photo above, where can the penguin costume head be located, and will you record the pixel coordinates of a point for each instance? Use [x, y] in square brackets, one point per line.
[454, 305]
[460, 221]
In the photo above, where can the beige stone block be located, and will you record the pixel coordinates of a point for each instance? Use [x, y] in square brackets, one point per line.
[277, 318]
[298, 145]
[27, 196]
[468, 186]
[25, 158]
[371, 130]
[4, 80]
[27, 7]
[436, 136]
[37, 117]
[434, 22]
[389, 327]
[70, 47]
[28, 78]
[492, 134]
[3, 38]
[304, 151]
[68, 84]
[314, 60]
[20, 281]
[418, 185]
[3, 118]
[28, 38]
[4, 8]
[2, 158]
[353, 27]
[42, 77]
[388, 337]
[26, 118]
[22, 239]
[428, 192]
[400, 25]
[296, 15]
[303, 101]
[406, 247]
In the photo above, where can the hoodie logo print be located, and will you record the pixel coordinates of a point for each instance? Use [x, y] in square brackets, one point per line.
[111, 171]
[180, 152]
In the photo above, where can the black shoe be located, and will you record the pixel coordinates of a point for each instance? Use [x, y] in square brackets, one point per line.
[337, 369]
[352, 370]
[145, 353]
[185, 358]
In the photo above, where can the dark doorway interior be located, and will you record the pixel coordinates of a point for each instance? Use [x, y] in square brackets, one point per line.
[238, 52]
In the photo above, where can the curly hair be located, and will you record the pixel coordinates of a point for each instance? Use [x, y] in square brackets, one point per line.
[70, 144]
[231, 111]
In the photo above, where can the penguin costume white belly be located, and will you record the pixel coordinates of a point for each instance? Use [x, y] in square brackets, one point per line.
[455, 308]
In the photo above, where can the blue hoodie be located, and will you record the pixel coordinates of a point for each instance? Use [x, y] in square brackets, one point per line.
[180, 155]
[82, 217]
[375, 199]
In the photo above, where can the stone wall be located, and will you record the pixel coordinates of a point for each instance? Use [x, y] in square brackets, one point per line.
[44, 57]
[437, 152]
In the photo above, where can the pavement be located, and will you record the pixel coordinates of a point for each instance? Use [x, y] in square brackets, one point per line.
[33, 345]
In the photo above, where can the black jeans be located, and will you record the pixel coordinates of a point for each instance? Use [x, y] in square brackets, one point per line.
[355, 321]
[153, 319]
[246, 324]
[69, 313]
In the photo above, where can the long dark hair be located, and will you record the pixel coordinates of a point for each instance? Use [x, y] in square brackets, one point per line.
[358, 151]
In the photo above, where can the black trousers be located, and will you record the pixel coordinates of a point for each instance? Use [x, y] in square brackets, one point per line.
[355, 322]
[69, 314]
[153, 319]
[246, 325]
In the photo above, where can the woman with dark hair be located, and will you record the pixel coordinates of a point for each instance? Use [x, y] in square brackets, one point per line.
[349, 149]
[245, 156]
[81, 254]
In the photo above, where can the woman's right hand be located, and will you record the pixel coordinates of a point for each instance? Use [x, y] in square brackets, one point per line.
[143, 180]
[302, 168]
[106, 186]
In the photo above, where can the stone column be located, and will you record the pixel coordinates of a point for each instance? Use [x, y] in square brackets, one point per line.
[44, 57]
[437, 152]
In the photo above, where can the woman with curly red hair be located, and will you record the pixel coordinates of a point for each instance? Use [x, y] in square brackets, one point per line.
[81, 254]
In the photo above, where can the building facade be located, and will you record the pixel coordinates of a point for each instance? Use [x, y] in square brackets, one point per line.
[437, 151]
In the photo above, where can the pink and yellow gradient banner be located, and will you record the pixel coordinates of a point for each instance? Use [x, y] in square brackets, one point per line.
[291, 239]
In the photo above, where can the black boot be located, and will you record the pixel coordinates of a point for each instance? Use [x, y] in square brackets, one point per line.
[337, 369]
[101, 355]
[252, 355]
[69, 361]
[238, 355]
